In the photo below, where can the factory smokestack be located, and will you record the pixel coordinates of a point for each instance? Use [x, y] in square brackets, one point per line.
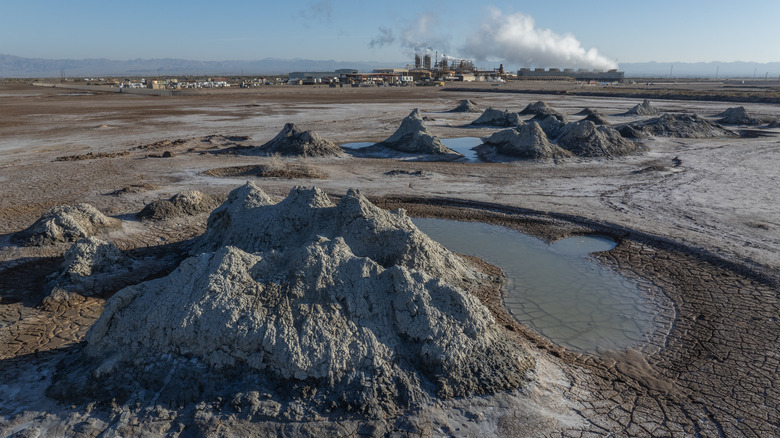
[516, 40]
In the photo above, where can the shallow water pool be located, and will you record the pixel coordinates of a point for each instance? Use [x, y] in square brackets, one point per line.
[556, 289]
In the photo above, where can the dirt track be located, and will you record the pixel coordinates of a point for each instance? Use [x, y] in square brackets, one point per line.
[697, 218]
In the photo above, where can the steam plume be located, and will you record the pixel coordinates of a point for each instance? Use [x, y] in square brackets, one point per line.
[515, 39]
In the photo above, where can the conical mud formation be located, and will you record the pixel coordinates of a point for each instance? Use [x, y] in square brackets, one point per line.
[676, 125]
[541, 110]
[413, 137]
[466, 106]
[737, 116]
[494, 117]
[186, 203]
[643, 109]
[585, 139]
[293, 141]
[311, 307]
[527, 141]
[66, 223]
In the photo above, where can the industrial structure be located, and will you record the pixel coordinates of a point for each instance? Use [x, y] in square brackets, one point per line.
[582, 75]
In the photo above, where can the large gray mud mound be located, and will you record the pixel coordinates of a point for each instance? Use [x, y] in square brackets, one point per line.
[292, 141]
[676, 125]
[494, 117]
[737, 116]
[541, 110]
[413, 137]
[186, 203]
[66, 223]
[586, 139]
[312, 308]
[465, 106]
[643, 109]
[527, 141]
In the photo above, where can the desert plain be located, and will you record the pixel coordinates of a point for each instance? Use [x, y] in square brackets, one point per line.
[696, 221]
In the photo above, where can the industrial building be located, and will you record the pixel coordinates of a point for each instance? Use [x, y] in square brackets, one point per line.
[584, 75]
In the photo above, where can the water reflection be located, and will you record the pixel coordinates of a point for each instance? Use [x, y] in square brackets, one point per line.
[556, 289]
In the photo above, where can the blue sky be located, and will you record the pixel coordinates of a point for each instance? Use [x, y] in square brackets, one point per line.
[533, 31]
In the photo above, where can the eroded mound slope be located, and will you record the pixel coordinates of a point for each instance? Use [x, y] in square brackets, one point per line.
[413, 137]
[186, 203]
[676, 125]
[66, 223]
[304, 307]
[494, 117]
[293, 141]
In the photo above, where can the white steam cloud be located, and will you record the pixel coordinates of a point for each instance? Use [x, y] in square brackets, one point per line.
[515, 39]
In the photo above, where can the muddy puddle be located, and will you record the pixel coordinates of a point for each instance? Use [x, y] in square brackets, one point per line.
[556, 289]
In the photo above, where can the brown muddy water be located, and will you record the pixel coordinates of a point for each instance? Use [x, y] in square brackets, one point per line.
[556, 289]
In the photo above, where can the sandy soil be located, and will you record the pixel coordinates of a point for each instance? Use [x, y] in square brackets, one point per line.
[697, 219]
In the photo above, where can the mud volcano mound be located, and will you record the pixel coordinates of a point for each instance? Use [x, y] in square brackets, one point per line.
[66, 223]
[595, 116]
[676, 125]
[586, 139]
[91, 266]
[413, 137]
[494, 117]
[292, 141]
[186, 203]
[541, 110]
[737, 116]
[642, 109]
[527, 141]
[297, 310]
[465, 106]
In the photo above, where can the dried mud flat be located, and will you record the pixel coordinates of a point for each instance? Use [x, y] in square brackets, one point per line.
[695, 218]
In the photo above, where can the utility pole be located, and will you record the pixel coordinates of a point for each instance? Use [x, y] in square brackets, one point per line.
[717, 70]
[671, 69]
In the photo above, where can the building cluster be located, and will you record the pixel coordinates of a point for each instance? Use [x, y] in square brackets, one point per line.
[428, 71]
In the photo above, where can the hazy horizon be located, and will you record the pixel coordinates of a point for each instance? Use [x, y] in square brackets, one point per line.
[531, 34]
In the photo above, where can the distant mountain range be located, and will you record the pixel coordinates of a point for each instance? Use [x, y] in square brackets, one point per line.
[18, 67]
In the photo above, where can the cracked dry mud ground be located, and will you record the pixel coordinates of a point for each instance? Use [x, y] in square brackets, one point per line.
[705, 231]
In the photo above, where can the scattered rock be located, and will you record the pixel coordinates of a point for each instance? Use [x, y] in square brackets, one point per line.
[541, 110]
[737, 116]
[643, 109]
[320, 309]
[676, 125]
[494, 117]
[413, 137]
[66, 223]
[397, 172]
[187, 203]
[135, 188]
[292, 141]
[92, 156]
[527, 141]
[585, 139]
[465, 106]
